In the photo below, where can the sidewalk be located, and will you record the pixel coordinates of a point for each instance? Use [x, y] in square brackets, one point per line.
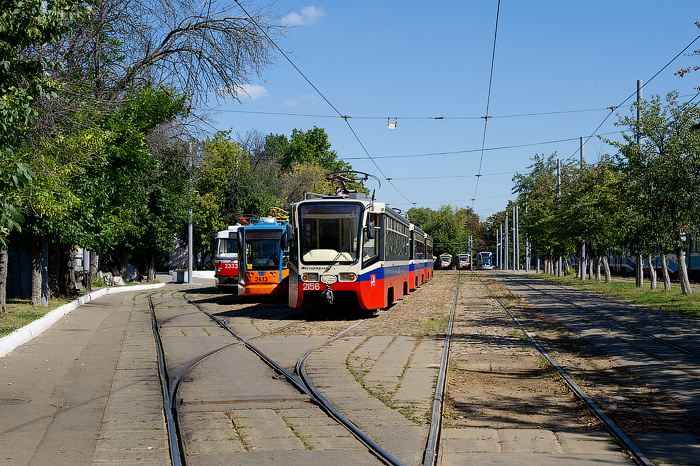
[55, 402]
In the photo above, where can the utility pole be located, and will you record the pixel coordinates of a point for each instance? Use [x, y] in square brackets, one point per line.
[505, 254]
[498, 251]
[639, 272]
[190, 233]
[527, 246]
[501, 243]
[583, 260]
[515, 240]
[559, 265]
[517, 237]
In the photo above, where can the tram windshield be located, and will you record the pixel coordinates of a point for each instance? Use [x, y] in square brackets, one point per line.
[329, 232]
[226, 248]
[263, 249]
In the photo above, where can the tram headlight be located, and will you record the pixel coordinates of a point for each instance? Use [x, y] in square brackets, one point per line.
[309, 277]
[218, 269]
[347, 277]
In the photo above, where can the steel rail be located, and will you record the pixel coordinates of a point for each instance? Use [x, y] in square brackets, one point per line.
[638, 456]
[307, 388]
[621, 324]
[177, 450]
[430, 456]
[170, 387]
[383, 454]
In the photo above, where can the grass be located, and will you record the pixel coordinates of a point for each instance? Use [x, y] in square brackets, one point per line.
[673, 301]
[436, 324]
[21, 313]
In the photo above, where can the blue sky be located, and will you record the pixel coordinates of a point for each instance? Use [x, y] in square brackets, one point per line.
[558, 66]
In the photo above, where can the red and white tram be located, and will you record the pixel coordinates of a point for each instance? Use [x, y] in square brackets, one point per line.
[465, 261]
[225, 249]
[350, 250]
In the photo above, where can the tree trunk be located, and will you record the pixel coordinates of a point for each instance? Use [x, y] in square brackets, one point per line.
[639, 271]
[591, 262]
[664, 273]
[151, 269]
[123, 262]
[56, 271]
[652, 271]
[36, 254]
[87, 275]
[3, 278]
[70, 271]
[683, 271]
[606, 267]
[94, 265]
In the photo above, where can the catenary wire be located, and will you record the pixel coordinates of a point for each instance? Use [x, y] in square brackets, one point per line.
[345, 117]
[488, 101]
[466, 151]
[612, 109]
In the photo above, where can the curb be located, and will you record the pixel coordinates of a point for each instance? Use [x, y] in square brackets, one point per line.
[29, 331]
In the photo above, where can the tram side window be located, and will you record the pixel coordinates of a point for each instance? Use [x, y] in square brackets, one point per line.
[396, 243]
[370, 252]
[420, 249]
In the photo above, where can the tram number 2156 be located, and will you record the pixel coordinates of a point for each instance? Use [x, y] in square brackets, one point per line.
[315, 286]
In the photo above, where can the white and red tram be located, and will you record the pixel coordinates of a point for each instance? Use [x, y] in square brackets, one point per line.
[348, 249]
[225, 249]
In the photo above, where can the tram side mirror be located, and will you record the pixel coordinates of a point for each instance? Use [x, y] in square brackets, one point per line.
[370, 230]
[240, 237]
[290, 233]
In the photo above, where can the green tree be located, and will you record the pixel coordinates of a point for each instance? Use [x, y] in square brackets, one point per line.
[663, 173]
[447, 226]
[303, 147]
[23, 79]
[544, 222]
[594, 211]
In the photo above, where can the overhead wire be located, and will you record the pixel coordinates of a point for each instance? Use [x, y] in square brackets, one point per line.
[488, 101]
[345, 117]
[612, 109]
[377, 117]
[466, 151]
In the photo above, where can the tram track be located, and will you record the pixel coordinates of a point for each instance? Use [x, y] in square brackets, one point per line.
[299, 379]
[636, 453]
[659, 335]
[299, 382]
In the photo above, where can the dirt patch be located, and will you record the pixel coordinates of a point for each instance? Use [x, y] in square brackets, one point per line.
[630, 401]
[497, 379]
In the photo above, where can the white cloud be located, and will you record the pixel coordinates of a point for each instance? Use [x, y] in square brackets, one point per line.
[249, 91]
[309, 15]
[303, 98]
